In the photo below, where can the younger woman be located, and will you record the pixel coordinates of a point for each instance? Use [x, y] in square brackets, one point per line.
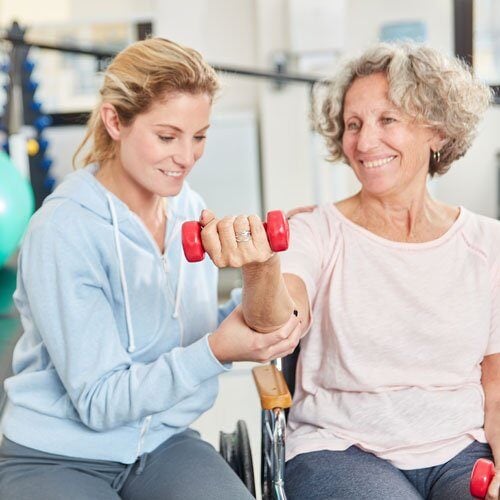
[123, 340]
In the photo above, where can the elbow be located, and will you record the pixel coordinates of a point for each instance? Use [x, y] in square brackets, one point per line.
[94, 420]
[263, 325]
[96, 415]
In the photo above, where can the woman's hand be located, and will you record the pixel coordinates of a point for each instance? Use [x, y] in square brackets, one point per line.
[494, 488]
[234, 241]
[235, 341]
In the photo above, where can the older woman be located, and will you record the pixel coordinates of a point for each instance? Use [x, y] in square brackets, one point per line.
[398, 381]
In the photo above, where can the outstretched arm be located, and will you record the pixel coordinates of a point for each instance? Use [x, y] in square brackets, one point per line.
[491, 386]
[269, 298]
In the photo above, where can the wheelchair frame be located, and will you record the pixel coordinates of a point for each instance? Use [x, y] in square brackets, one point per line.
[273, 454]
[275, 384]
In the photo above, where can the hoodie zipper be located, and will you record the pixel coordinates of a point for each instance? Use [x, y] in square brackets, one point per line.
[164, 263]
[162, 257]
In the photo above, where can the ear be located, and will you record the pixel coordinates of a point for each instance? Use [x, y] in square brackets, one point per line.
[438, 141]
[109, 117]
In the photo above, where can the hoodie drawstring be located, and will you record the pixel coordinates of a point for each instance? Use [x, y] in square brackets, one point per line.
[130, 330]
[178, 292]
[176, 227]
[173, 233]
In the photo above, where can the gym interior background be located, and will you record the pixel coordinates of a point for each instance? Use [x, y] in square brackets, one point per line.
[261, 153]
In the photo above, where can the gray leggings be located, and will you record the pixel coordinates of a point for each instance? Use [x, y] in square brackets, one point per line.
[356, 474]
[184, 467]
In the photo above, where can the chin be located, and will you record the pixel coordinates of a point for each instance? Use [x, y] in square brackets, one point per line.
[171, 191]
[378, 188]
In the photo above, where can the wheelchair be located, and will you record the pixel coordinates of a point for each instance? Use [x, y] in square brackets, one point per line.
[275, 384]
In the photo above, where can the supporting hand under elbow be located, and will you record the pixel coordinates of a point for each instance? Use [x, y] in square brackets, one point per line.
[235, 341]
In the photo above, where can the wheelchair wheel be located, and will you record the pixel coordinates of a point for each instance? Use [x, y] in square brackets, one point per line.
[235, 449]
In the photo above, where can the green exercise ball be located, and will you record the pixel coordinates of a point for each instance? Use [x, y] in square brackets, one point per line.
[16, 207]
[7, 288]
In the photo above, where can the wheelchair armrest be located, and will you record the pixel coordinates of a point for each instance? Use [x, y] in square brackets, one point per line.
[272, 388]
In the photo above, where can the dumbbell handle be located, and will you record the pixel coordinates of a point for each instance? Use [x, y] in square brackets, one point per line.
[481, 476]
[276, 227]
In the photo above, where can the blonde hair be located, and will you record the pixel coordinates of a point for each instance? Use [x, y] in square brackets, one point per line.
[141, 74]
[436, 90]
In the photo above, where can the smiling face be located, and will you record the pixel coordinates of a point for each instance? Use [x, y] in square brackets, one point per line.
[160, 147]
[388, 151]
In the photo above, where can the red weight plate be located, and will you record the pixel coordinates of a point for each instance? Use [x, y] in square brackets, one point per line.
[191, 241]
[278, 232]
[481, 477]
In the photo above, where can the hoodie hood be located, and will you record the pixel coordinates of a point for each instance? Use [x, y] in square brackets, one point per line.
[83, 188]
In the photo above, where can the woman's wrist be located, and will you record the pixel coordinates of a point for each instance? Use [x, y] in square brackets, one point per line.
[260, 268]
[216, 348]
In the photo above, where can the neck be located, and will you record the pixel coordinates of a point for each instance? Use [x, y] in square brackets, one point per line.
[416, 218]
[147, 205]
[403, 214]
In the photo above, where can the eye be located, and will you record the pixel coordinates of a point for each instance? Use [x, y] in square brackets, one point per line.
[352, 126]
[200, 138]
[165, 138]
[387, 119]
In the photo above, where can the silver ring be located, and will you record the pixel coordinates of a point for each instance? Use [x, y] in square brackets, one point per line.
[243, 236]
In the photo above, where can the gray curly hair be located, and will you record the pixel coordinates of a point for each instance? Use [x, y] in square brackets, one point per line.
[436, 90]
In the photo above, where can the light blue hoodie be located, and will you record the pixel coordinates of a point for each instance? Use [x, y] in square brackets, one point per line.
[114, 358]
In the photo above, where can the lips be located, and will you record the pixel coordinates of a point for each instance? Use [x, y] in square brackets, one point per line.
[380, 162]
[171, 173]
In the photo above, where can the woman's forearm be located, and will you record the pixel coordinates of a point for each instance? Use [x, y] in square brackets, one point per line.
[267, 305]
[492, 428]
[490, 380]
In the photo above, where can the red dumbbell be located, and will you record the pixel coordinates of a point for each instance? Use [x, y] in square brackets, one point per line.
[480, 479]
[276, 227]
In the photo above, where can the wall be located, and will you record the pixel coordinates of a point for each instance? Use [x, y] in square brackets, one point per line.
[29, 12]
[224, 32]
[112, 10]
[248, 33]
[34, 13]
[473, 180]
[365, 18]
[285, 144]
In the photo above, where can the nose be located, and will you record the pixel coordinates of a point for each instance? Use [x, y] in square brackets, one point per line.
[185, 156]
[368, 138]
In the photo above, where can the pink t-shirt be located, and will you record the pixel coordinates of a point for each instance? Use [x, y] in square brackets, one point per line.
[391, 362]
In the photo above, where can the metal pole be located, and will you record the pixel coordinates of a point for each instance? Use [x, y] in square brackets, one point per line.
[103, 54]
